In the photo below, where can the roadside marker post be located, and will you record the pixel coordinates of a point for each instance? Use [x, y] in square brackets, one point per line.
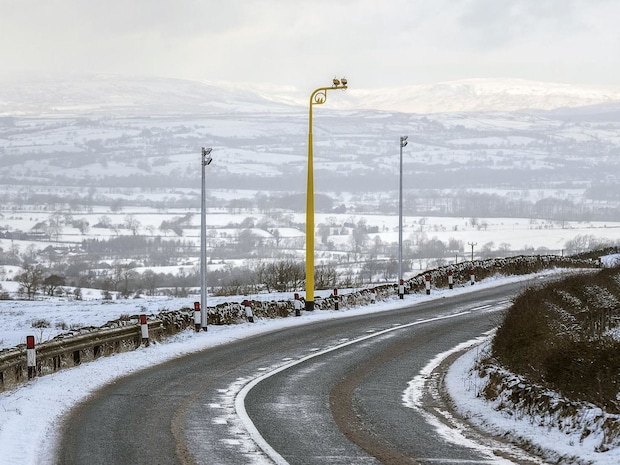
[401, 289]
[144, 330]
[297, 304]
[197, 316]
[450, 279]
[336, 300]
[248, 311]
[427, 278]
[31, 357]
[472, 276]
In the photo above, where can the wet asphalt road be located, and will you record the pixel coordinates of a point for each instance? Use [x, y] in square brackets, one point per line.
[183, 411]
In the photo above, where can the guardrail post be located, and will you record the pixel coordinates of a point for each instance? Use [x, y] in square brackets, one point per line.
[450, 279]
[197, 316]
[248, 310]
[472, 276]
[297, 305]
[31, 357]
[427, 278]
[144, 329]
[336, 300]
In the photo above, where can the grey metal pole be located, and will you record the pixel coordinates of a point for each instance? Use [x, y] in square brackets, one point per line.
[206, 159]
[472, 249]
[403, 142]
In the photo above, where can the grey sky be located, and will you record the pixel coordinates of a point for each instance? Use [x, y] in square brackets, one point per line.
[304, 43]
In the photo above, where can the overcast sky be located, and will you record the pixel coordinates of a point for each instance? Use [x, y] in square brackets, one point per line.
[304, 43]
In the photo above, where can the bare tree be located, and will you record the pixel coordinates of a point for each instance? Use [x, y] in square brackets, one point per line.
[281, 276]
[248, 241]
[52, 282]
[54, 225]
[325, 277]
[30, 280]
[276, 237]
[128, 277]
[104, 222]
[132, 224]
[82, 225]
[30, 254]
[580, 243]
[149, 280]
[324, 231]
[358, 238]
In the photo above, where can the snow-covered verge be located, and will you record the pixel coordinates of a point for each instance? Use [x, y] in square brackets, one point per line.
[561, 431]
[509, 391]
[561, 400]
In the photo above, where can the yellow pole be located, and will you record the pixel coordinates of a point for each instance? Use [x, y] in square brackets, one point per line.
[317, 97]
[310, 217]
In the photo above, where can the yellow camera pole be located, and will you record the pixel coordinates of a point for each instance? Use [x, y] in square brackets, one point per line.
[318, 97]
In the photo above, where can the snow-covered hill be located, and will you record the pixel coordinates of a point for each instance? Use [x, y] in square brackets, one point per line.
[122, 96]
[110, 132]
[484, 95]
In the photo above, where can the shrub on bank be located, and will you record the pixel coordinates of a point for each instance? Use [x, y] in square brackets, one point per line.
[566, 336]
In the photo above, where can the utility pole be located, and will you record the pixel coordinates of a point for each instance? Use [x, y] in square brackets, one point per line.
[472, 249]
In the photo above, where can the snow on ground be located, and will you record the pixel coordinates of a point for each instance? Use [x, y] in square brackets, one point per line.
[18, 316]
[31, 413]
[514, 234]
[464, 384]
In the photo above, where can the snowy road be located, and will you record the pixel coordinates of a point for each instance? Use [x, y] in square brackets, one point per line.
[183, 412]
[345, 404]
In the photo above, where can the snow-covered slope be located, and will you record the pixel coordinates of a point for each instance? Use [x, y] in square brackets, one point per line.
[122, 96]
[484, 95]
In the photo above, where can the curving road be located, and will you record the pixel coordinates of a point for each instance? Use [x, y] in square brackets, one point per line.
[329, 393]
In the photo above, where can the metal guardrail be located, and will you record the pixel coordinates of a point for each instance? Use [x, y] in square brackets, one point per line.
[61, 353]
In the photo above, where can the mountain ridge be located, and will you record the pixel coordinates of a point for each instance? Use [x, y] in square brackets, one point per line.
[121, 95]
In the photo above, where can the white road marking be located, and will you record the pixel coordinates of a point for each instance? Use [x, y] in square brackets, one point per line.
[412, 398]
[240, 398]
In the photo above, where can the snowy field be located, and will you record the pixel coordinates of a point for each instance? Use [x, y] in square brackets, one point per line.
[31, 413]
[18, 316]
[509, 233]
